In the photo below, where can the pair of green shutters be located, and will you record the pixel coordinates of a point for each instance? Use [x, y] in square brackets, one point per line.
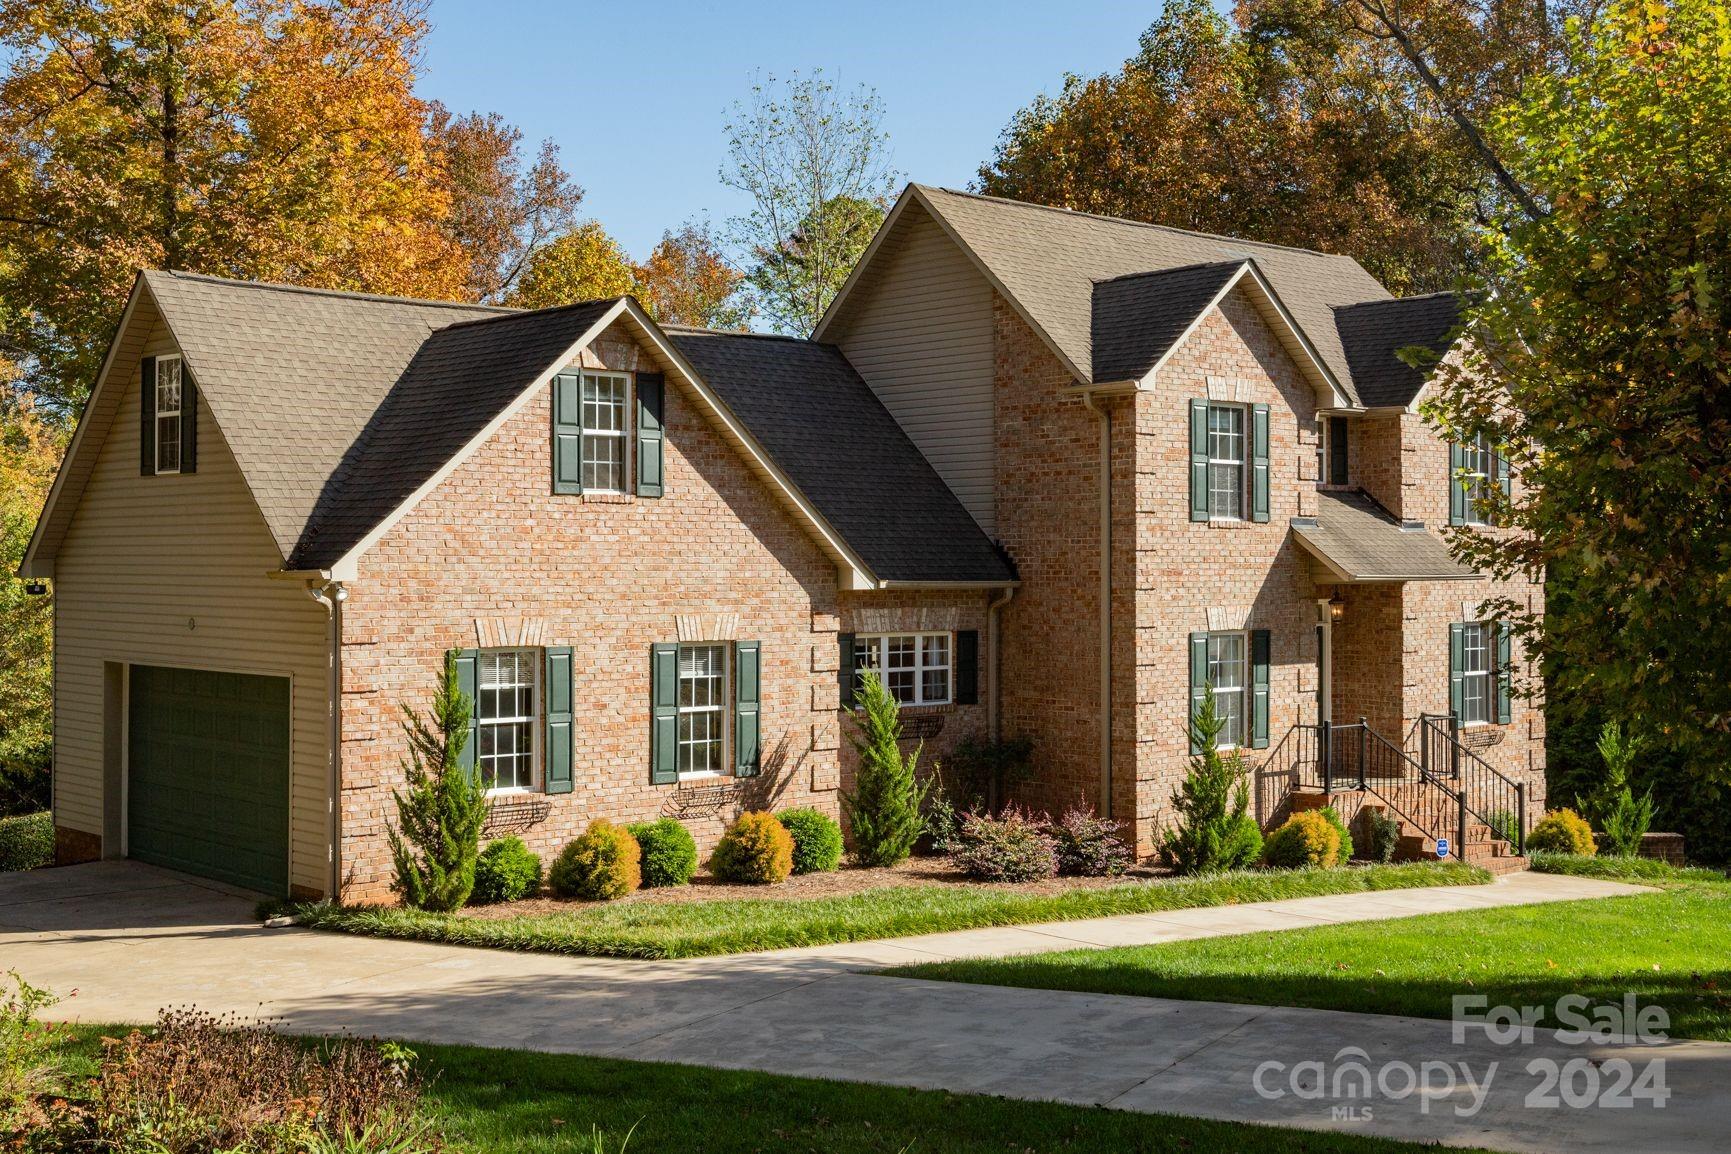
[1199, 461]
[651, 390]
[1458, 501]
[1256, 723]
[147, 419]
[664, 711]
[964, 669]
[558, 730]
[1503, 671]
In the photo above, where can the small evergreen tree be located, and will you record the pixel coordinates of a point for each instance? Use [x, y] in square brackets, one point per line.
[1613, 808]
[1213, 830]
[437, 837]
[884, 810]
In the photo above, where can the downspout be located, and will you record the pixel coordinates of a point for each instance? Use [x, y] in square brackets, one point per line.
[993, 681]
[332, 594]
[1105, 418]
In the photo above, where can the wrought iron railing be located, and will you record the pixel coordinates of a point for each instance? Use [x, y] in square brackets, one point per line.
[1498, 802]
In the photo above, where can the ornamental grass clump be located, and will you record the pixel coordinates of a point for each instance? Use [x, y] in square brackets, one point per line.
[1563, 831]
[601, 865]
[506, 871]
[755, 850]
[1306, 840]
[1213, 830]
[1011, 848]
[816, 840]
[1088, 846]
[669, 852]
[437, 837]
[883, 811]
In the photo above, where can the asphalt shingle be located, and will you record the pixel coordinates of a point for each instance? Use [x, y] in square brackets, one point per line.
[1361, 539]
[1374, 332]
[1138, 318]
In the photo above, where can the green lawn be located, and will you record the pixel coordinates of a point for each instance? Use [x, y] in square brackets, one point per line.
[516, 1102]
[697, 928]
[1671, 947]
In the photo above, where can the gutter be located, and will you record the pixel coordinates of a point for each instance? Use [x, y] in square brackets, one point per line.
[993, 681]
[332, 594]
[1104, 416]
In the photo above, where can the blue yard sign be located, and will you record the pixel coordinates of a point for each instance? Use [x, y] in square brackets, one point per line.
[1442, 847]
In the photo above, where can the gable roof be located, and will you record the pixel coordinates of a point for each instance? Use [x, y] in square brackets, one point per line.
[1138, 318]
[1374, 332]
[1046, 261]
[820, 420]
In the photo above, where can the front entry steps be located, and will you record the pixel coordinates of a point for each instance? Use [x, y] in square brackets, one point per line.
[1480, 848]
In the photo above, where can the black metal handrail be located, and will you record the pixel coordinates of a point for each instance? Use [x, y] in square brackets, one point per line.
[1283, 770]
[1497, 801]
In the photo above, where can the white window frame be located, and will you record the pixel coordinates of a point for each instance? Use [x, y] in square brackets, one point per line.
[537, 661]
[1483, 681]
[722, 709]
[871, 651]
[623, 433]
[1240, 692]
[1480, 459]
[158, 415]
[1241, 463]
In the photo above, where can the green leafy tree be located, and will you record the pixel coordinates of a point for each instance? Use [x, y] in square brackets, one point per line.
[437, 838]
[584, 264]
[883, 811]
[30, 446]
[1601, 364]
[1213, 829]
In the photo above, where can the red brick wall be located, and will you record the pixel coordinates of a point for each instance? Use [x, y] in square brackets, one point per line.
[1375, 441]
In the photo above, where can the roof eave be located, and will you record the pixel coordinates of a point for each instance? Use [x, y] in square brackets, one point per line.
[1343, 576]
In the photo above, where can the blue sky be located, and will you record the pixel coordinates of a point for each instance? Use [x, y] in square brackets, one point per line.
[635, 94]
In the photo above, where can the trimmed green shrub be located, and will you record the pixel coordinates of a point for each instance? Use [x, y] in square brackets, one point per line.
[756, 850]
[883, 812]
[1381, 835]
[1088, 846]
[1563, 831]
[1214, 830]
[506, 871]
[437, 836]
[669, 852]
[1347, 849]
[1307, 839]
[816, 840]
[603, 864]
[1005, 849]
[27, 842]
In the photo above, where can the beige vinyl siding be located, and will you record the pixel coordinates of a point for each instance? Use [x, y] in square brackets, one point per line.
[172, 571]
[920, 333]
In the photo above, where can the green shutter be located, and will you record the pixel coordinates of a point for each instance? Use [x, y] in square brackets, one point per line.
[188, 421]
[560, 736]
[1259, 646]
[747, 703]
[968, 667]
[1505, 482]
[466, 682]
[845, 673]
[568, 433]
[147, 416]
[1199, 460]
[1505, 675]
[1198, 682]
[663, 713]
[651, 457]
[1457, 661]
[1259, 462]
[1457, 490]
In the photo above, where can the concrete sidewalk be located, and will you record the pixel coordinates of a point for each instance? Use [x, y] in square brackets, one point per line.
[131, 939]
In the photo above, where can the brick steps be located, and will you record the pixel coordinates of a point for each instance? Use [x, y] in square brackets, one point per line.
[1479, 848]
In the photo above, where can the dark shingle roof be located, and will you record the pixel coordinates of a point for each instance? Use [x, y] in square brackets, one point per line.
[1139, 317]
[1354, 535]
[1375, 331]
[462, 377]
[838, 444]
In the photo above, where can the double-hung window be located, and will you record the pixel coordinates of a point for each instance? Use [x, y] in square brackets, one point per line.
[606, 397]
[702, 709]
[505, 717]
[1479, 460]
[915, 667]
[168, 417]
[1227, 673]
[1478, 674]
[1226, 461]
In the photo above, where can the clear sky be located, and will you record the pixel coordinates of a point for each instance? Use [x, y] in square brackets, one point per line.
[635, 94]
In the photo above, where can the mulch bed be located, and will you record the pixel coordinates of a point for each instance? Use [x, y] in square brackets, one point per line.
[847, 880]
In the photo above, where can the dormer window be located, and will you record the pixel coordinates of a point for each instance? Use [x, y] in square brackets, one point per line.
[607, 433]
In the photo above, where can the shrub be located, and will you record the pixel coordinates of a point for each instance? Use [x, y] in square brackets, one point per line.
[1005, 849]
[1381, 835]
[1347, 849]
[30, 1064]
[27, 842]
[1213, 830]
[756, 850]
[1621, 817]
[1088, 846]
[883, 812]
[1307, 839]
[437, 836]
[505, 872]
[669, 852]
[1626, 822]
[816, 840]
[603, 864]
[1563, 831]
[943, 821]
[982, 772]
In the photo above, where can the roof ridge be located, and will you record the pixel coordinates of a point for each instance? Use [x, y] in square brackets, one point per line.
[512, 314]
[1437, 295]
[704, 331]
[277, 286]
[1201, 264]
[1124, 220]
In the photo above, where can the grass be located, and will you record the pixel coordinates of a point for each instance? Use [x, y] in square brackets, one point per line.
[518, 1102]
[699, 928]
[1672, 948]
[1641, 870]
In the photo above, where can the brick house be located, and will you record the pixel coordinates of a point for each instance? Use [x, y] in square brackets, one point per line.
[1053, 473]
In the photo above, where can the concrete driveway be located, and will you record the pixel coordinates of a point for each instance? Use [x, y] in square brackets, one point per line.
[129, 939]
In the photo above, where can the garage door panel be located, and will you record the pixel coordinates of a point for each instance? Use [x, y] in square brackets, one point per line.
[208, 774]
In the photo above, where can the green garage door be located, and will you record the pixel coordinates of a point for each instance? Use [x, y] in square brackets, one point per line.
[208, 774]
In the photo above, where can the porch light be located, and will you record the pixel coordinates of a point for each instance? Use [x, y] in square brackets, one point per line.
[1336, 609]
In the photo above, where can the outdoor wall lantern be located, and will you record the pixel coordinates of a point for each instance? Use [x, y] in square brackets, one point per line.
[1336, 609]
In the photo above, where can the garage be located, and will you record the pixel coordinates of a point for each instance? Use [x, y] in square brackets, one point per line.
[208, 774]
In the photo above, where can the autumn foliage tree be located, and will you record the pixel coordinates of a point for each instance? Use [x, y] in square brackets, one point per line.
[583, 264]
[688, 281]
[30, 447]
